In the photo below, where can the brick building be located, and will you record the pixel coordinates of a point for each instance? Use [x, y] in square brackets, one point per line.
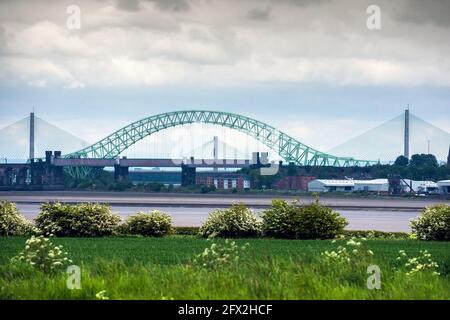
[294, 182]
[223, 180]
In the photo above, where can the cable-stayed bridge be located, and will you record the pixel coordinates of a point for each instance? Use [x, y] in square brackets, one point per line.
[384, 142]
[388, 140]
[15, 140]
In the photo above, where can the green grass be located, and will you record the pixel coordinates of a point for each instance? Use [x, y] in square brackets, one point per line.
[159, 268]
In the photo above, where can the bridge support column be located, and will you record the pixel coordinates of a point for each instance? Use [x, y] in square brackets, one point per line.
[121, 173]
[188, 175]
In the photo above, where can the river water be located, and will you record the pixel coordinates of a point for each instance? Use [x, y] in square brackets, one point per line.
[382, 220]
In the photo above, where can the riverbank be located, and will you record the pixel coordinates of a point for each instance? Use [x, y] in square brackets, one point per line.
[214, 200]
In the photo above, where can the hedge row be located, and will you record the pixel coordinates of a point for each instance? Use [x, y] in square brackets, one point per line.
[281, 220]
[82, 220]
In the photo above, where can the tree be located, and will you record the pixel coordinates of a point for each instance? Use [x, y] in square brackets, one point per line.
[401, 161]
[423, 160]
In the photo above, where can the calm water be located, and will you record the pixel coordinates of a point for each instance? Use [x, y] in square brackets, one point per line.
[188, 216]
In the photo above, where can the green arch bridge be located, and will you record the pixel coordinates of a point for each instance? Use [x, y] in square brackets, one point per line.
[290, 149]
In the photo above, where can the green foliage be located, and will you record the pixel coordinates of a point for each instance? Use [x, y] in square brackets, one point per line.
[236, 221]
[401, 161]
[314, 221]
[99, 180]
[12, 223]
[422, 167]
[206, 189]
[269, 269]
[219, 256]
[41, 254]
[120, 186]
[155, 187]
[421, 263]
[153, 224]
[186, 231]
[350, 254]
[374, 234]
[423, 160]
[433, 223]
[82, 220]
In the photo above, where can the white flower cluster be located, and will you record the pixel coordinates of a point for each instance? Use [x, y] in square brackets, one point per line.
[40, 253]
[218, 255]
[345, 254]
[101, 295]
[423, 262]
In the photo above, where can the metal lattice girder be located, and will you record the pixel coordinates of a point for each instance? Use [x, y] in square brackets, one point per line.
[287, 147]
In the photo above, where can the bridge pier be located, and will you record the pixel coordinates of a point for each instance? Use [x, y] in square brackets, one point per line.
[33, 175]
[188, 175]
[121, 173]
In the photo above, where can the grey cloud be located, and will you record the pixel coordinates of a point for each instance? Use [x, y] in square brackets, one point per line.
[172, 5]
[259, 14]
[128, 5]
[435, 12]
[302, 3]
[165, 5]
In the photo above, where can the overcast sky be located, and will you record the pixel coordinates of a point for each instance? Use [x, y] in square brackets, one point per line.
[311, 68]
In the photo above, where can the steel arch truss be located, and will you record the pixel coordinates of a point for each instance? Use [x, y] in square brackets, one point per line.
[287, 147]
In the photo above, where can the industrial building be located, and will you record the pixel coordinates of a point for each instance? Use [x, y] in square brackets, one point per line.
[411, 186]
[349, 185]
[444, 186]
[325, 185]
[377, 185]
[380, 186]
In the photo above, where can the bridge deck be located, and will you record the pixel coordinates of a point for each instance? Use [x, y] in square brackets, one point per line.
[165, 163]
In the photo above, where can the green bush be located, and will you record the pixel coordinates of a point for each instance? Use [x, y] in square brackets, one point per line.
[374, 234]
[186, 231]
[82, 220]
[153, 224]
[236, 221]
[433, 223]
[314, 221]
[12, 223]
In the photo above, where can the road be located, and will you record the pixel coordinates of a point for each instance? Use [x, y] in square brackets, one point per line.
[192, 210]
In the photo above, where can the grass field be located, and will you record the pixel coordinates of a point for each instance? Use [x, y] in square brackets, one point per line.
[161, 268]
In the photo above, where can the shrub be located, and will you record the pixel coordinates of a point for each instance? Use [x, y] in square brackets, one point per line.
[433, 223]
[236, 221]
[153, 224]
[374, 234]
[186, 231]
[82, 220]
[12, 223]
[40, 253]
[314, 221]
